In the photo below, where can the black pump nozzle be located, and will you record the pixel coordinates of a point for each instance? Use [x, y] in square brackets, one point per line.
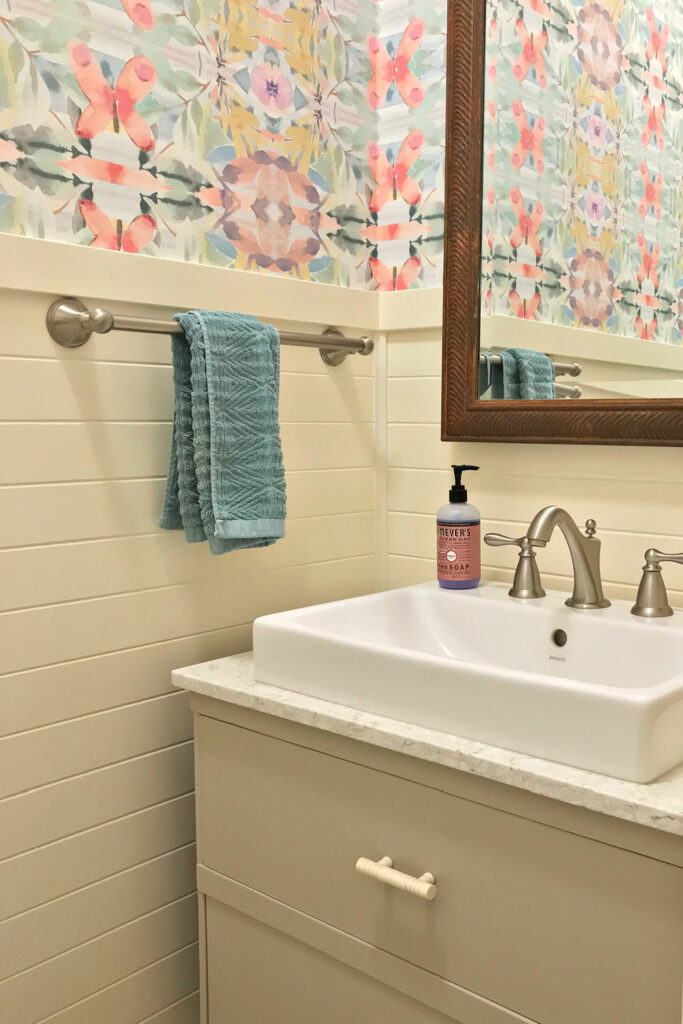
[458, 493]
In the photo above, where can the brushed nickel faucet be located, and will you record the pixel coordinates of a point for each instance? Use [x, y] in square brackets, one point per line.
[652, 601]
[584, 549]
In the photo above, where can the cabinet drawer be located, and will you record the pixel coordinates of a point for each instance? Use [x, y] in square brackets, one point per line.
[555, 926]
[257, 975]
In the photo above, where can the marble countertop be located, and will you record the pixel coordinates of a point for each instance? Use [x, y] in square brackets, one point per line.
[657, 805]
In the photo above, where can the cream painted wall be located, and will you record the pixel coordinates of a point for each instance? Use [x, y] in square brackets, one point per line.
[97, 907]
[635, 494]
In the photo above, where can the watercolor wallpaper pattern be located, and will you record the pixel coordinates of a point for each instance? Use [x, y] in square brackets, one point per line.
[236, 133]
[306, 138]
[583, 204]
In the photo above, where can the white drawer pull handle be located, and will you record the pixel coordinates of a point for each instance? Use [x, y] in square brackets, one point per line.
[384, 871]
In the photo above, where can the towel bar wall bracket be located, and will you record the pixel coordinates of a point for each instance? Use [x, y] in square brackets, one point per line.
[71, 324]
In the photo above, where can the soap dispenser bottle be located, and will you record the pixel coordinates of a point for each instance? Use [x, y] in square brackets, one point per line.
[458, 538]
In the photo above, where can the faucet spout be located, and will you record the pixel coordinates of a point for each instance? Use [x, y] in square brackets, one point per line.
[584, 549]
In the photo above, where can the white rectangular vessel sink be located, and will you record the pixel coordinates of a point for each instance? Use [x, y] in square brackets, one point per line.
[484, 666]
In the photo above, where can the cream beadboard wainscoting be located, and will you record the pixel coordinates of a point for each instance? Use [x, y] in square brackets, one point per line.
[97, 906]
[635, 494]
[97, 863]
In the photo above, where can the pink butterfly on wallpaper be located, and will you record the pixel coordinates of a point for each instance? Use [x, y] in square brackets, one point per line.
[493, 38]
[8, 152]
[655, 116]
[110, 235]
[646, 331]
[140, 13]
[393, 180]
[491, 157]
[391, 279]
[533, 46]
[539, 7]
[530, 141]
[648, 269]
[656, 48]
[524, 309]
[652, 196]
[386, 69]
[526, 232]
[113, 105]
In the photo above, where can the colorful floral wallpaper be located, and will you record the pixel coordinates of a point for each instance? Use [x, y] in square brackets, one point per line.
[405, 156]
[224, 131]
[306, 138]
[583, 212]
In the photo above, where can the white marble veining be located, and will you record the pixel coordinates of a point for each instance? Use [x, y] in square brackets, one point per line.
[657, 805]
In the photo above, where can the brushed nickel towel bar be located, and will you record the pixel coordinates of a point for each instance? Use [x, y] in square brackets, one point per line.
[70, 323]
[568, 391]
[561, 369]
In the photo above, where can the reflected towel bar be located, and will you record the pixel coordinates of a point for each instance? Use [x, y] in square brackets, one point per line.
[71, 324]
[561, 369]
[568, 391]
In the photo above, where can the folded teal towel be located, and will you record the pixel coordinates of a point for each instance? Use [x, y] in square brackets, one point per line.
[523, 374]
[226, 480]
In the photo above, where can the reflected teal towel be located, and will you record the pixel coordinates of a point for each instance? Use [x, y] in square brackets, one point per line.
[226, 480]
[523, 374]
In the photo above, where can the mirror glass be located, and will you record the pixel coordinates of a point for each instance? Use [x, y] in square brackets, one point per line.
[582, 219]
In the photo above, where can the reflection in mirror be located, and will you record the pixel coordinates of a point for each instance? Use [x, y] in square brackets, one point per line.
[582, 220]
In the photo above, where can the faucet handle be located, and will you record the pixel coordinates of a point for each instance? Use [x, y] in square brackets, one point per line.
[652, 601]
[654, 558]
[527, 581]
[499, 540]
[591, 527]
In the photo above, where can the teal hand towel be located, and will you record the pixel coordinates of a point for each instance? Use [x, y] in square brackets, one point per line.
[523, 374]
[226, 478]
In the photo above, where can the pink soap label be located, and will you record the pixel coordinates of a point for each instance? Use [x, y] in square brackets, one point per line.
[458, 551]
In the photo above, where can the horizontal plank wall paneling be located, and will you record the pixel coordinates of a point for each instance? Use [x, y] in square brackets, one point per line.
[97, 606]
[42, 636]
[123, 508]
[46, 389]
[36, 758]
[636, 495]
[76, 804]
[123, 1002]
[35, 453]
[44, 574]
[69, 921]
[75, 688]
[70, 977]
[66, 865]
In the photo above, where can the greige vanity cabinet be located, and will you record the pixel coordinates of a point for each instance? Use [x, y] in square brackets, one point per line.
[543, 912]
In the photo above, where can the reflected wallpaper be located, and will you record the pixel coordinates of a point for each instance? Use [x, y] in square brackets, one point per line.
[583, 203]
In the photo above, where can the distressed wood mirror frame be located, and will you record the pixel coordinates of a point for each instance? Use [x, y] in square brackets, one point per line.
[464, 416]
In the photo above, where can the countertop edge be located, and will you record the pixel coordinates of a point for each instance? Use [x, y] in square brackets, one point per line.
[658, 805]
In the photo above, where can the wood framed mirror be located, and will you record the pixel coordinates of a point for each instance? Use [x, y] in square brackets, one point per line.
[564, 221]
